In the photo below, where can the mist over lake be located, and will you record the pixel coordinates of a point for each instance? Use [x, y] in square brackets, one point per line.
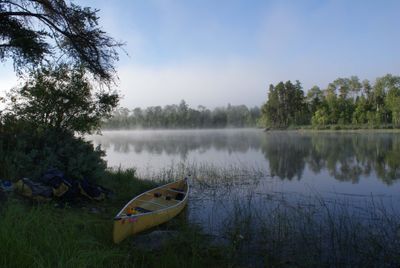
[350, 163]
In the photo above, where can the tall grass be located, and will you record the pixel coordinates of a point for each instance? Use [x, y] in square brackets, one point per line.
[314, 232]
[278, 229]
[49, 235]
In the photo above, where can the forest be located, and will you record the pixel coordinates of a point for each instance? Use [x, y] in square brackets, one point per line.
[345, 101]
[183, 116]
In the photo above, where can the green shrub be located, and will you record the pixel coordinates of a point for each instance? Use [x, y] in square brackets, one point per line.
[28, 151]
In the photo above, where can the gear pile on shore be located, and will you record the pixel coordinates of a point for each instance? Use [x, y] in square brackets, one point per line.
[55, 185]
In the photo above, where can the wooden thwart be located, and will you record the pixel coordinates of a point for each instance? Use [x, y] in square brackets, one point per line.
[151, 202]
[175, 191]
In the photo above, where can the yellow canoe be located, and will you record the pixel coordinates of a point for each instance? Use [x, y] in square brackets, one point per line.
[150, 209]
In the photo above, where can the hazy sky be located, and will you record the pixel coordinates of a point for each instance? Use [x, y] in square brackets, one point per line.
[217, 52]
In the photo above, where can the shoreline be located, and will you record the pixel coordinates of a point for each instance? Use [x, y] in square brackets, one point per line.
[336, 130]
[331, 128]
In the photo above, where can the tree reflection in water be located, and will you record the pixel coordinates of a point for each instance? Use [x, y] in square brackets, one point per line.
[346, 156]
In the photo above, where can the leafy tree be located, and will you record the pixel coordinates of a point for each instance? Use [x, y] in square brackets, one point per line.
[355, 86]
[320, 117]
[367, 90]
[381, 102]
[314, 99]
[298, 105]
[342, 85]
[138, 116]
[285, 105]
[341, 106]
[271, 110]
[392, 98]
[255, 114]
[219, 117]
[61, 98]
[361, 111]
[205, 116]
[36, 30]
[183, 110]
[237, 116]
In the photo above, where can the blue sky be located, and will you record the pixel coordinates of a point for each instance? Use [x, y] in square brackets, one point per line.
[219, 52]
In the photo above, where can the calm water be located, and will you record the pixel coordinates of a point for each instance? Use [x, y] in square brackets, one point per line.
[229, 165]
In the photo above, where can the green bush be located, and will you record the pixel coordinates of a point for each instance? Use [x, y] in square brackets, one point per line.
[28, 151]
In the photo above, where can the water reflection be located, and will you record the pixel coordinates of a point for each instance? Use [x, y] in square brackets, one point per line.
[179, 142]
[345, 156]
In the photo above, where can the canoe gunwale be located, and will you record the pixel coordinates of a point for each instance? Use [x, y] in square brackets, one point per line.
[120, 217]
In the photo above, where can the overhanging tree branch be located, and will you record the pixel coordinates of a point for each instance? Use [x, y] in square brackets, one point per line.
[74, 30]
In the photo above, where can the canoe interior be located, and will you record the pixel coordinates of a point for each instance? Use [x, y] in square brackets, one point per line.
[156, 199]
[150, 209]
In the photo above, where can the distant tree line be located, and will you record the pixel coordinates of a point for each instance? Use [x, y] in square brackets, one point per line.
[183, 116]
[345, 101]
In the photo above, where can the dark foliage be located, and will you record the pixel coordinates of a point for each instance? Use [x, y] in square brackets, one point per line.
[28, 151]
[63, 99]
[35, 30]
[37, 130]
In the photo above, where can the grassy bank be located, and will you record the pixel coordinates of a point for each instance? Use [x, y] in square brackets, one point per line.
[260, 230]
[48, 235]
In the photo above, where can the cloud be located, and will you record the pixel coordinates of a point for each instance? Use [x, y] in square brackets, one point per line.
[209, 83]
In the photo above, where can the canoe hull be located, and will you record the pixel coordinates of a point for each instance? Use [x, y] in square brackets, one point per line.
[131, 225]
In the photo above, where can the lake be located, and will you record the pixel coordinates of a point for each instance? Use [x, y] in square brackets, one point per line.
[239, 174]
[361, 163]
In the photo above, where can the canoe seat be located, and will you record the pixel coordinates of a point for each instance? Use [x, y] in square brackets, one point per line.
[142, 210]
